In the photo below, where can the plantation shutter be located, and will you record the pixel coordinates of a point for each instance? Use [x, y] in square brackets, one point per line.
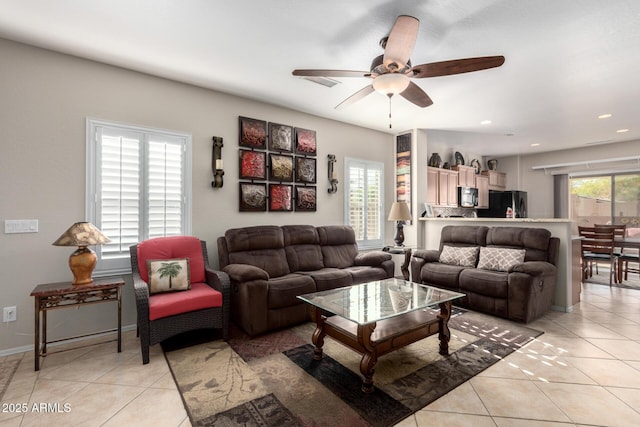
[364, 201]
[138, 188]
[164, 188]
[119, 203]
[374, 207]
[356, 210]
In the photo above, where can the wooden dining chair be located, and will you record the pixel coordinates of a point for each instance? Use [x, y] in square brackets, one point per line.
[597, 247]
[625, 256]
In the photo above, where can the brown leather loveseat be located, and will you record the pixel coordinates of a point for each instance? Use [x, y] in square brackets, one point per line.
[269, 266]
[504, 271]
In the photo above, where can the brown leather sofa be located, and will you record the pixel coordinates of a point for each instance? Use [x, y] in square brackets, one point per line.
[523, 292]
[269, 266]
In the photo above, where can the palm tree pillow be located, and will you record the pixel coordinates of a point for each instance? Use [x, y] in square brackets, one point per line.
[168, 275]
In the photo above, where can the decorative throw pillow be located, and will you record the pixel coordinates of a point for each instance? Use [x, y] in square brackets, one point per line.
[500, 259]
[168, 275]
[464, 256]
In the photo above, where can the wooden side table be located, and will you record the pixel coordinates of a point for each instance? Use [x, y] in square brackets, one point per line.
[52, 296]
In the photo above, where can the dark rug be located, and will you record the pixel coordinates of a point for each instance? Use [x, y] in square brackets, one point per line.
[272, 380]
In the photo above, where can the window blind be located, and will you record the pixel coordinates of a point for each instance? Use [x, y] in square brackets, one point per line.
[364, 201]
[138, 188]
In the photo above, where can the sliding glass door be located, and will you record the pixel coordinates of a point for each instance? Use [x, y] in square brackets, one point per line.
[606, 199]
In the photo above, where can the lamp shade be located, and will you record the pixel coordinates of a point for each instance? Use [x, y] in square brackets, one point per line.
[391, 83]
[81, 234]
[400, 212]
[83, 260]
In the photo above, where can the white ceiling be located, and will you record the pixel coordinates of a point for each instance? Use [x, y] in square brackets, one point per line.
[567, 61]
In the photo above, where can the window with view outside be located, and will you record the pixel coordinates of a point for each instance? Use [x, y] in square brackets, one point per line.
[364, 201]
[606, 199]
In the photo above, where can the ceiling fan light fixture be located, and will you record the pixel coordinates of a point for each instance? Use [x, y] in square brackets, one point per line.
[391, 83]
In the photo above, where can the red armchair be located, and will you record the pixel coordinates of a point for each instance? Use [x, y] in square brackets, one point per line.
[163, 315]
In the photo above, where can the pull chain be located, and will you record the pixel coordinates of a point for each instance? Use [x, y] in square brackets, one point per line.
[389, 95]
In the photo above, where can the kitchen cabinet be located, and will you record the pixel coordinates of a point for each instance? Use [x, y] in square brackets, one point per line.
[497, 180]
[466, 175]
[442, 187]
[482, 184]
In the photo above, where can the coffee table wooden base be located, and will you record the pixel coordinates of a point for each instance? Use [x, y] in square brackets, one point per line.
[373, 340]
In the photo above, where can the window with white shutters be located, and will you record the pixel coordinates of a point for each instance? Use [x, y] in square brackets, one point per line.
[364, 201]
[138, 187]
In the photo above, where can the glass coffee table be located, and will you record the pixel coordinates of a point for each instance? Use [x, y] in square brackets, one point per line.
[379, 317]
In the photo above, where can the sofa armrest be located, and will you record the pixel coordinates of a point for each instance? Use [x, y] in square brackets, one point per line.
[534, 268]
[141, 291]
[428, 255]
[372, 258]
[245, 272]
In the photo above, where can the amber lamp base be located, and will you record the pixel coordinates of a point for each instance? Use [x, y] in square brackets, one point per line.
[82, 262]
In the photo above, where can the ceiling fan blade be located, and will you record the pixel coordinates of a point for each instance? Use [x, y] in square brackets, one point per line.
[456, 66]
[356, 96]
[415, 94]
[331, 73]
[400, 43]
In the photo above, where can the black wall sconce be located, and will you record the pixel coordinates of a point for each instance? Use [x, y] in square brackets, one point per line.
[333, 177]
[216, 162]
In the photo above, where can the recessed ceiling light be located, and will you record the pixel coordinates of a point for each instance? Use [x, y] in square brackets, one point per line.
[485, 122]
[622, 130]
[535, 144]
[604, 116]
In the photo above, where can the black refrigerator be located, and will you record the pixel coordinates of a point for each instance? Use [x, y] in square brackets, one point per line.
[499, 201]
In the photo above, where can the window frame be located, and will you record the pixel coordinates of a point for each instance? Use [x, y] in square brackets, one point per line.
[365, 244]
[122, 265]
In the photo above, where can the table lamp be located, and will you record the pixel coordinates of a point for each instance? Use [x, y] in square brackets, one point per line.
[83, 260]
[400, 212]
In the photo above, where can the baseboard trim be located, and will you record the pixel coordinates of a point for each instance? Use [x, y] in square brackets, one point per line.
[26, 348]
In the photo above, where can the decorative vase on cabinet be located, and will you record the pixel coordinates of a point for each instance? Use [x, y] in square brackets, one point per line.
[435, 160]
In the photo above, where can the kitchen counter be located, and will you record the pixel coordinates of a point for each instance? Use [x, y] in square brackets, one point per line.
[429, 238]
[513, 221]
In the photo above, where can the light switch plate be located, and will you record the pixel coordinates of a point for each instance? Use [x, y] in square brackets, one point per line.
[12, 226]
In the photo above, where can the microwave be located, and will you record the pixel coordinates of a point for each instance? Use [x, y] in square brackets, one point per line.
[467, 197]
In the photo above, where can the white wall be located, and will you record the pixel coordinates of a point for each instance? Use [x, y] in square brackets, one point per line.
[46, 98]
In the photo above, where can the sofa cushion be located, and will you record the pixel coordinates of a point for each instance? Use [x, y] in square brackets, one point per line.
[464, 256]
[168, 275]
[534, 240]
[500, 259]
[372, 258]
[173, 247]
[273, 261]
[330, 278]
[262, 246]
[338, 244]
[443, 275]
[485, 282]
[199, 297]
[302, 247]
[363, 274]
[284, 290]
[254, 238]
[463, 235]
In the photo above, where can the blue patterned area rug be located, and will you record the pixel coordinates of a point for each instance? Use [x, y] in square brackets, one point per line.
[272, 380]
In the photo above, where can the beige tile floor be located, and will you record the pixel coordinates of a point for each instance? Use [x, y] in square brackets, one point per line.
[584, 370]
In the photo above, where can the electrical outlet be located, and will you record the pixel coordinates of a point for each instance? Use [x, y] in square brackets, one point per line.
[9, 314]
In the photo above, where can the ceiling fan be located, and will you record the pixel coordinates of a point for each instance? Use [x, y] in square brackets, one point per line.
[392, 72]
